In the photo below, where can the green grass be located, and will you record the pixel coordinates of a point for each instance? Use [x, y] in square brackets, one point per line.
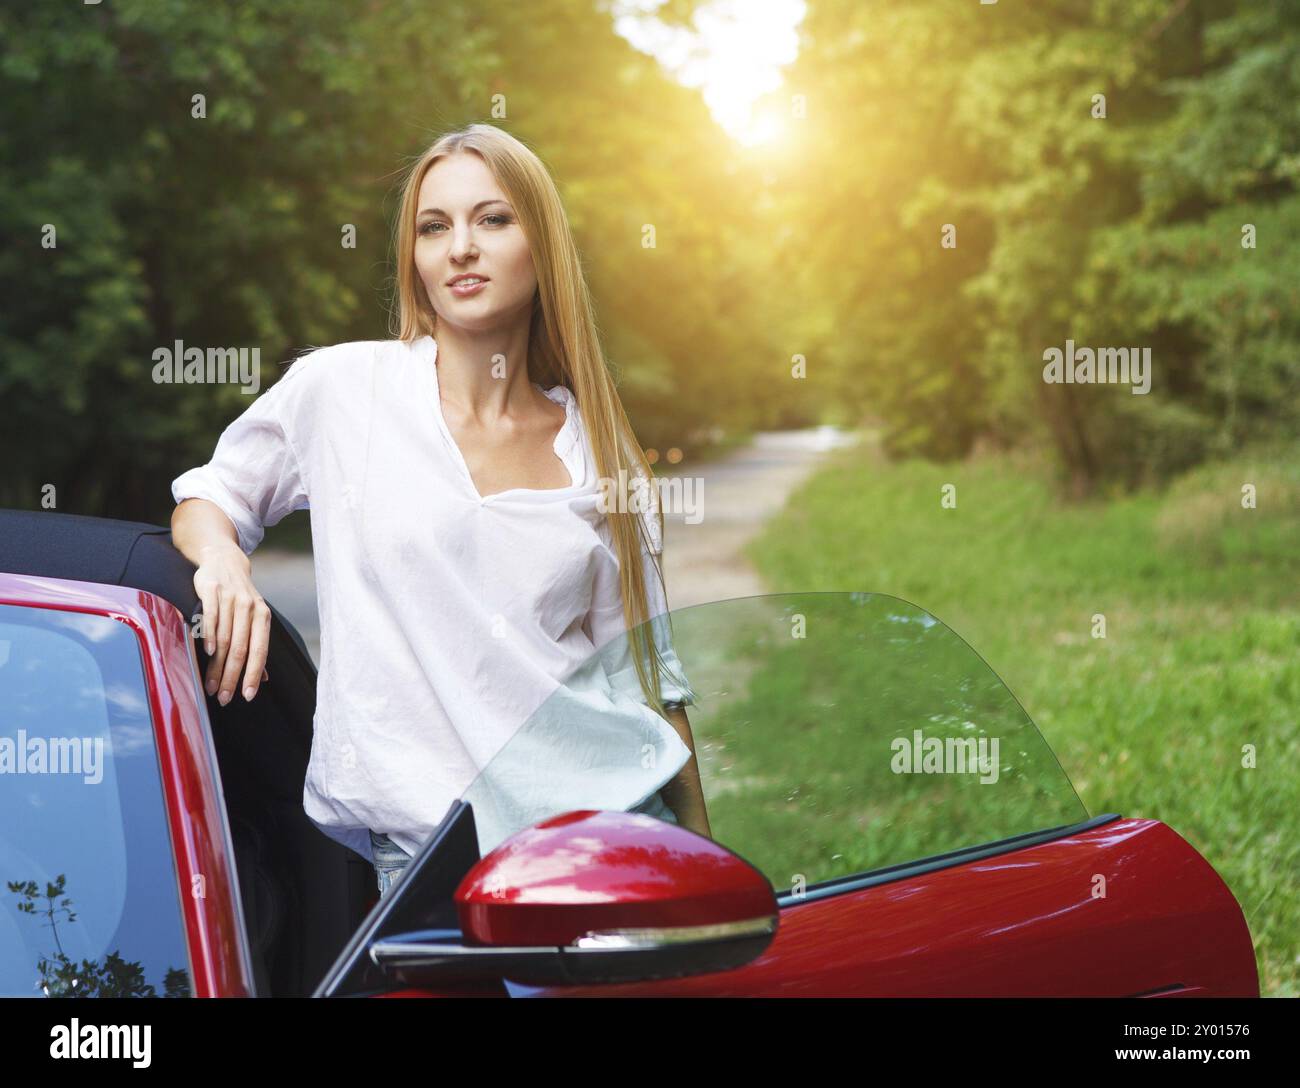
[802, 698]
[1201, 659]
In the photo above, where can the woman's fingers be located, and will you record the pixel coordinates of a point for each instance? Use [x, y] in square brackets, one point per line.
[238, 648]
[219, 631]
[258, 644]
[207, 589]
[235, 628]
[208, 602]
[225, 628]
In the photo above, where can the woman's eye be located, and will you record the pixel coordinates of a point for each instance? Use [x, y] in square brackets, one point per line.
[427, 228]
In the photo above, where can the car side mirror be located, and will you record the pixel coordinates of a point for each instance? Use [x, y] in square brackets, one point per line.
[592, 897]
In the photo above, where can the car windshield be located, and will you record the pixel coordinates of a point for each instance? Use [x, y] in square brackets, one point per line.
[836, 733]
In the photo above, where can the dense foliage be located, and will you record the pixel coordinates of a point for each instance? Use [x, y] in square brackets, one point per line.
[226, 229]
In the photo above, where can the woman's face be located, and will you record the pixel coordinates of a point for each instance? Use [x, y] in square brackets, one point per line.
[464, 225]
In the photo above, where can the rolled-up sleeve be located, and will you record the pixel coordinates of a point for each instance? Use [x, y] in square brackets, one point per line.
[255, 476]
[605, 625]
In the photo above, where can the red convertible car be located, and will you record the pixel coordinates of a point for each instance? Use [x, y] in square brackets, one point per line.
[886, 821]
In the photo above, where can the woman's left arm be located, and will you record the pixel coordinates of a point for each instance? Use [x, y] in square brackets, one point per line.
[684, 794]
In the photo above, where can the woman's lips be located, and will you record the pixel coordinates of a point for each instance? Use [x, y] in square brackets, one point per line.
[464, 290]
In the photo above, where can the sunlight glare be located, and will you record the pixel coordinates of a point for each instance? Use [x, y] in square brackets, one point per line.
[734, 55]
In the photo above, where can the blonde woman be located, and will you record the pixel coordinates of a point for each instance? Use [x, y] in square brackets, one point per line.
[466, 561]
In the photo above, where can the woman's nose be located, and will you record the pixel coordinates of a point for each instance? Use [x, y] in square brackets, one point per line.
[462, 244]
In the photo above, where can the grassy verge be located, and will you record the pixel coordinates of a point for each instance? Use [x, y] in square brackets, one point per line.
[1199, 667]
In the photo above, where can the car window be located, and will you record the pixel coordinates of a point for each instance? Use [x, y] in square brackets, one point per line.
[90, 896]
[837, 733]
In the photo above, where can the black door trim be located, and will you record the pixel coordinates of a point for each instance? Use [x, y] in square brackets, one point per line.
[908, 869]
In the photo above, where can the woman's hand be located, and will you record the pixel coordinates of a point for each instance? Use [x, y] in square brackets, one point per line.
[236, 621]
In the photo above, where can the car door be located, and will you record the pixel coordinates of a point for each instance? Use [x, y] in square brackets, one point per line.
[923, 838]
[920, 835]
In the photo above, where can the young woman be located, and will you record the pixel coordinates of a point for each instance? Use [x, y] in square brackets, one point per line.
[468, 558]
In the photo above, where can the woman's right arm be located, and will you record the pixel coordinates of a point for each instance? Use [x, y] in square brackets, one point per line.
[236, 620]
[222, 509]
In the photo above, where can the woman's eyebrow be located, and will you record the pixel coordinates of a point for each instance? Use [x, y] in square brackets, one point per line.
[480, 204]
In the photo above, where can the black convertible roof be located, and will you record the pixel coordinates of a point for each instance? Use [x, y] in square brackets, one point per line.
[111, 552]
[120, 553]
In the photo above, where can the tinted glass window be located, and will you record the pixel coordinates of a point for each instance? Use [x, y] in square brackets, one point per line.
[837, 733]
[91, 902]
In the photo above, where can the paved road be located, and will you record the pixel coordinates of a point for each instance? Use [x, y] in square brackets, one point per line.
[702, 561]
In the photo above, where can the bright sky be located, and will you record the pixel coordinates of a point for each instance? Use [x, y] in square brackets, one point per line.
[733, 55]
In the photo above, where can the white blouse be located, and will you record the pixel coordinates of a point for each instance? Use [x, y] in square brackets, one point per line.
[447, 620]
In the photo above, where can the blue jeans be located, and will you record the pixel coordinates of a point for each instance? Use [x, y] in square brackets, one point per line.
[391, 859]
[654, 806]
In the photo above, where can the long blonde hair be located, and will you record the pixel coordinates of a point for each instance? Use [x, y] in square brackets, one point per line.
[563, 349]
